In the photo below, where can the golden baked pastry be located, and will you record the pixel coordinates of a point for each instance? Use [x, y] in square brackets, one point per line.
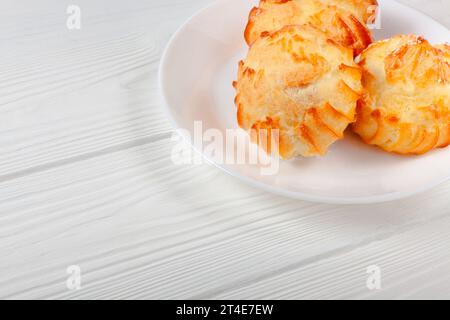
[364, 10]
[303, 84]
[406, 107]
[343, 21]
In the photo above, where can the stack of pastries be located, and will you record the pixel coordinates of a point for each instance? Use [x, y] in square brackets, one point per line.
[300, 78]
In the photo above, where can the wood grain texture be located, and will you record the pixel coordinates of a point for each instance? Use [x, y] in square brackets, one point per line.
[86, 179]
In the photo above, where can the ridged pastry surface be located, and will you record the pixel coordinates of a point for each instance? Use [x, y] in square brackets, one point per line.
[343, 21]
[406, 107]
[302, 83]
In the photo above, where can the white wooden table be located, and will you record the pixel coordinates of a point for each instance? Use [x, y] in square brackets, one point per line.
[86, 180]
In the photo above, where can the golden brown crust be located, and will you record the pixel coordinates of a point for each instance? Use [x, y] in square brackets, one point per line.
[406, 107]
[364, 10]
[301, 83]
[334, 17]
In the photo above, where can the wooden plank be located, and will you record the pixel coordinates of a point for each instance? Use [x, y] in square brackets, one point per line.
[414, 264]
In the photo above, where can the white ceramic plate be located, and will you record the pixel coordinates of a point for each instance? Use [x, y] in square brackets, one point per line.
[196, 73]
